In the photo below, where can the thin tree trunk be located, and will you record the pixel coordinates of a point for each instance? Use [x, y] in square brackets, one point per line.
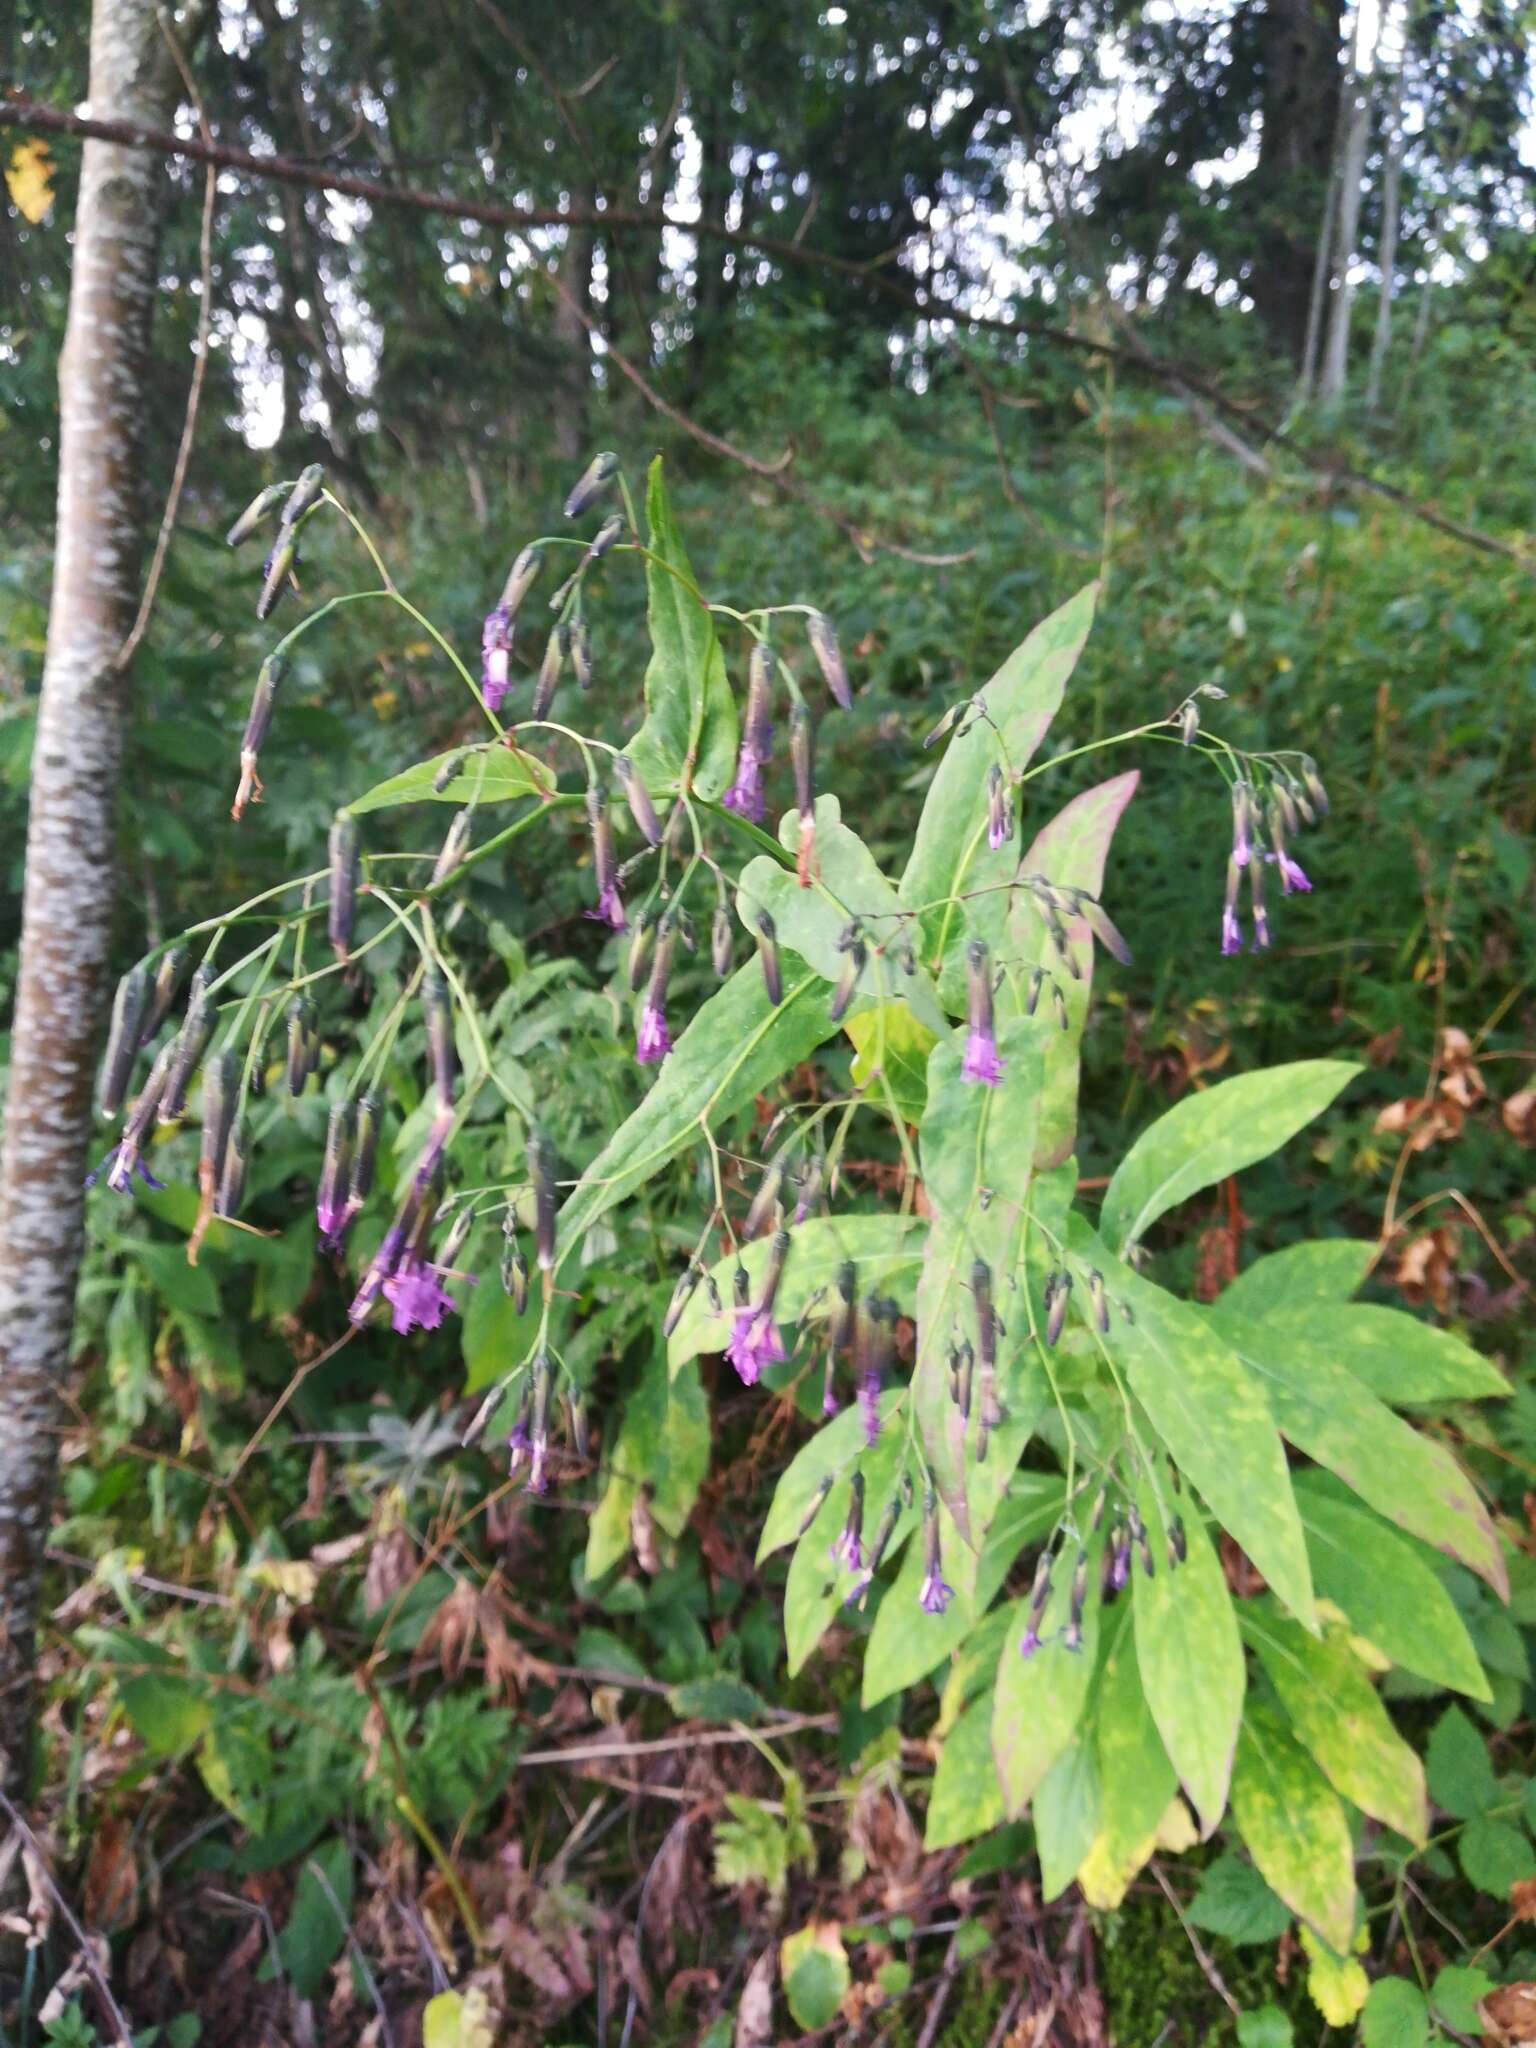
[1391, 193]
[71, 853]
[1357, 134]
[1322, 270]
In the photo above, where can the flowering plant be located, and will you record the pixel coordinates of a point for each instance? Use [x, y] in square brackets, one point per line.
[1031, 1454]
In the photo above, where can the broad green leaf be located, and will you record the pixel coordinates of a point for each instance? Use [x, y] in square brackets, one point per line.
[1066, 1814]
[814, 1967]
[495, 1338]
[974, 1664]
[493, 775]
[688, 740]
[1265, 2027]
[1496, 1855]
[1336, 1984]
[1135, 1776]
[890, 1041]
[1323, 1271]
[817, 1585]
[885, 1250]
[1212, 1134]
[826, 1457]
[967, 1798]
[950, 851]
[1455, 1995]
[1070, 851]
[899, 1654]
[183, 1286]
[717, 1699]
[1294, 1826]
[316, 1929]
[736, 1044]
[1212, 1414]
[458, 2020]
[1232, 1900]
[662, 1447]
[1402, 1360]
[1191, 1660]
[1325, 1411]
[1461, 1777]
[1389, 1594]
[168, 1710]
[1338, 1716]
[1039, 1700]
[1394, 2015]
[847, 886]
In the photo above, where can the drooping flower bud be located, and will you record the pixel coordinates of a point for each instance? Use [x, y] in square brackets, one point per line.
[301, 1031]
[581, 654]
[305, 493]
[1039, 1599]
[1260, 914]
[600, 471]
[231, 1191]
[543, 1377]
[638, 797]
[1032, 999]
[885, 1529]
[817, 1501]
[542, 1170]
[653, 1041]
[607, 535]
[1099, 1299]
[999, 809]
[934, 1595]
[556, 647]
[449, 769]
[1312, 782]
[276, 570]
[162, 991]
[331, 1212]
[854, 962]
[257, 725]
[768, 953]
[745, 795]
[829, 657]
[191, 1041]
[520, 578]
[497, 636]
[438, 1006]
[802, 741]
[1072, 1634]
[641, 946]
[1143, 1544]
[1058, 1292]
[1189, 722]
[129, 1006]
[722, 942]
[343, 882]
[981, 1062]
[610, 905]
[682, 1294]
[1178, 1541]
[365, 1149]
[1242, 823]
[1107, 933]
[765, 1202]
[514, 1266]
[454, 847]
[221, 1091]
[847, 1545]
[258, 509]
[878, 1332]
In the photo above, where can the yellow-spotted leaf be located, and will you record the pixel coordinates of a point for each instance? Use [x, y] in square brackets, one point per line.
[1190, 1656]
[1294, 1825]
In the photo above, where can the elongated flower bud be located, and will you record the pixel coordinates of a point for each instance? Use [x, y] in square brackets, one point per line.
[365, 1149]
[885, 1529]
[541, 1169]
[1103, 930]
[829, 657]
[258, 509]
[981, 1062]
[934, 1596]
[449, 769]
[163, 992]
[1312, 782]
[1178, 1542]
[1072, 1634]
[653, 1041]
[221, 1090]
[1189, 722]
[1256, 898]
[848, 981]
[276, 571]
[721, 942]
[306, 492]
[610, 905]
[438, 1006]
[682, 1294]
[641, 946]
[816, 1502]
[1039, 1599]
[580, 648]
[520, 578]
[600, 471]
[543, 1378]
[1032, 998]
[1242, 823]
[607, 535]
[802, 747]
[845, 1319]
[757, 726]
[301, 1026]
[129, 1006]
[765, 1201]
[191, 1041]
[343, 882]
[514, 1267]
[335, 1165]
[848, 1545]
[768, 953]
[454, 847]
[1058, 1292]
[139, 1122]
[1099, 1299]
[556, 647]
[999, 809]
[257, 725]
[638, 797]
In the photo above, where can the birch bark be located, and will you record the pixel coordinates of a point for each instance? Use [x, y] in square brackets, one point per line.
[70, 860]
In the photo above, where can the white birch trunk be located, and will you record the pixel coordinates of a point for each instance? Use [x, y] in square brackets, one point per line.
[70, 833]
[1391, 194]
[1335, 364]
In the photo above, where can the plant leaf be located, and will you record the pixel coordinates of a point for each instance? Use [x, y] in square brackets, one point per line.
[493, 776]
[663, 1446]
[1294, 1825]
[1040, 1699]
[1191, 1660]
[967, 1797]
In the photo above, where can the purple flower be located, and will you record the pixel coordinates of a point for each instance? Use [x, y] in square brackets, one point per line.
[610, 909]
[755, 1342]
[416, 1294]
[935, 1595]
[332, 1219]
[653, 1041]
[1031, 1642]
[981, 1060]
[745, 795]
[847, 1549]
[830, 1405]
[1260, 928]
[869, 1407]
[496, 656]
[519, 1444]
[1231, 932]
[120, 1165]
[997, 833]
[1292, 874]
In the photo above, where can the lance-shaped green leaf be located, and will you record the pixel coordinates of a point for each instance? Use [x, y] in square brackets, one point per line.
[1295, 1826]
[1325, 1411]
[1040, 1699]
[950, 851]
[1337, 1715]
[818, 1585]
[1190, 1657]
[1322, 1272]
[1387, 1591]
[885, 1252]
[662, 1448]
[847, 887]
[893, 1044]
[1135, 1773]
[815, 1466]
[1070, 852]
[736, 1044]
[967, 1797]
[1067, 1815]
[1403, 1361]
[1210, 1411]
[688, 740]
[900, 1654]
[492, 775]
[1207, 1136]
[976, 1147]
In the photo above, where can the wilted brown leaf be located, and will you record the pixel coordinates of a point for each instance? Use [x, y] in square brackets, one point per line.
[1426, 1268]
[1508, 2015]
[1519, 1115]
[754, 2015]
[111, 1875]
